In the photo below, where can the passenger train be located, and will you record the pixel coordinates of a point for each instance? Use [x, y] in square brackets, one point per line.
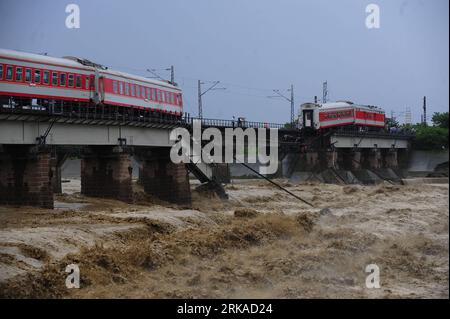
[341, 114]
[71, 84]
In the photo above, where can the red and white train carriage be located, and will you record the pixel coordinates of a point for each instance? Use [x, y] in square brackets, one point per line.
[67, 81]
[341, 114]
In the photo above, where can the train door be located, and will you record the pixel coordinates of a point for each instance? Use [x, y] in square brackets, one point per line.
[308, 118]
[97, 92]
[101, 89]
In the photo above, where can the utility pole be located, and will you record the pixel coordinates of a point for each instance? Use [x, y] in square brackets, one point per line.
[157, 76]
[325, 92]
[425, 110]
[291, 100]
[292, 104]
[200, 110]
[200, 94]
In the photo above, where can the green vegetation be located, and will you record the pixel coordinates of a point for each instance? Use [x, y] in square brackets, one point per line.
[440, 119]
[431, 137]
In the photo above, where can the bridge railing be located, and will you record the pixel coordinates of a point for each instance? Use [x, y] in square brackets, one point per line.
[232, 123]
[398, 133]
[98, 113]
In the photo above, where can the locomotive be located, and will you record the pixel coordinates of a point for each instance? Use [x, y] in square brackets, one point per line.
[341, 115]
[71, 84]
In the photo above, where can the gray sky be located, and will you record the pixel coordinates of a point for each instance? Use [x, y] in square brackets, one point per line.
[253, 47]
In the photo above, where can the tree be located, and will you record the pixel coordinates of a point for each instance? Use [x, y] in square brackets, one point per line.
[430, 137]
[440, 119]
[391, 122]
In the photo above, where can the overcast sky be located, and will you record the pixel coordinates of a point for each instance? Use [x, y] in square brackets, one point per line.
[253, 47]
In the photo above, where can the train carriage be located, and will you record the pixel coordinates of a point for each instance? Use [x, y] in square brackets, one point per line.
[341, 114]
[27, 80]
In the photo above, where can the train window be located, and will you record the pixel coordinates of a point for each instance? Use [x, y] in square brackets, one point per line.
[114, 87]
[132, 89]
[62, 79]
[9, 73]
[121, 87]
[159, 95]
[78, 81]
[87, 83]
[1, 72]
[27, 75]
[55, 78]
[153, 94]
[46, 77]
[148, 94]
[143, 92]
[70, 80]
[19, 74]
[37, 76]
[138, 91]
[180, 100]
[127, 89]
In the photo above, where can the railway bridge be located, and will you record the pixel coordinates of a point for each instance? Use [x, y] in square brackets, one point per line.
[34, 144]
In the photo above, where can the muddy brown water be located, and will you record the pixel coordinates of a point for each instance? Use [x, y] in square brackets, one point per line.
[282, 249]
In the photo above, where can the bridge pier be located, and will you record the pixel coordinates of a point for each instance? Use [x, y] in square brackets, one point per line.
[373, 158]
[331, 159]
[350, 159]
[106, 172]
[26, 176]
[163, 178]
[312, 161]
[390, 158]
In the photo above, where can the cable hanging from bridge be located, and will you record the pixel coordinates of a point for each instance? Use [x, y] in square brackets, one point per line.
[272, 182]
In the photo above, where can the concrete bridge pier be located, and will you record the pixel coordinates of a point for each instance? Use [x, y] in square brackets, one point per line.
[106, 171]
[331, 159]
[355, 160]
[26, 176]
[163, 178]
[390, 158]
[349, 159]
[312, 161]
[373, 158]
